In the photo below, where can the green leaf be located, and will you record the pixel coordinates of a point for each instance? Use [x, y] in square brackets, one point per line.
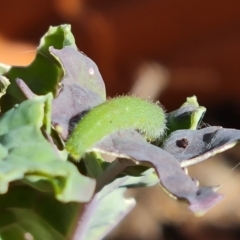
[4, 83]
[27, 212]
[26, 155]
[44, 73]
[4, 68]
[188, 116]
[58, 37]
[29, 113]
[94, 164]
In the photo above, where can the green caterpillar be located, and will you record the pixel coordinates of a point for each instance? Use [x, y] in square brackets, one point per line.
[116, 114]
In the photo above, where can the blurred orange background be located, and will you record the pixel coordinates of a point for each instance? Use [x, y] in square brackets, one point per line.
[165, 50]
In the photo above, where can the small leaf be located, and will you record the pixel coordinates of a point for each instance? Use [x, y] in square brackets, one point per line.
[188, 116]
[94, 164]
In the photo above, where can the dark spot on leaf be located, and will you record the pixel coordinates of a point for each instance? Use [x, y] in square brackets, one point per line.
[182, 143]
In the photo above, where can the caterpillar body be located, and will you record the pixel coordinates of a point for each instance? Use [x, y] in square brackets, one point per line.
[119, 113]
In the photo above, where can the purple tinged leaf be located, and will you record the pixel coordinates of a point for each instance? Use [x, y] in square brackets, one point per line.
[131, 145]
[107, 208]
[201, 144]
[79, 69]
[82, 88]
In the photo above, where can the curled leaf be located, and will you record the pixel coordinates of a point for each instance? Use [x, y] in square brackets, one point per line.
[131, 145]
